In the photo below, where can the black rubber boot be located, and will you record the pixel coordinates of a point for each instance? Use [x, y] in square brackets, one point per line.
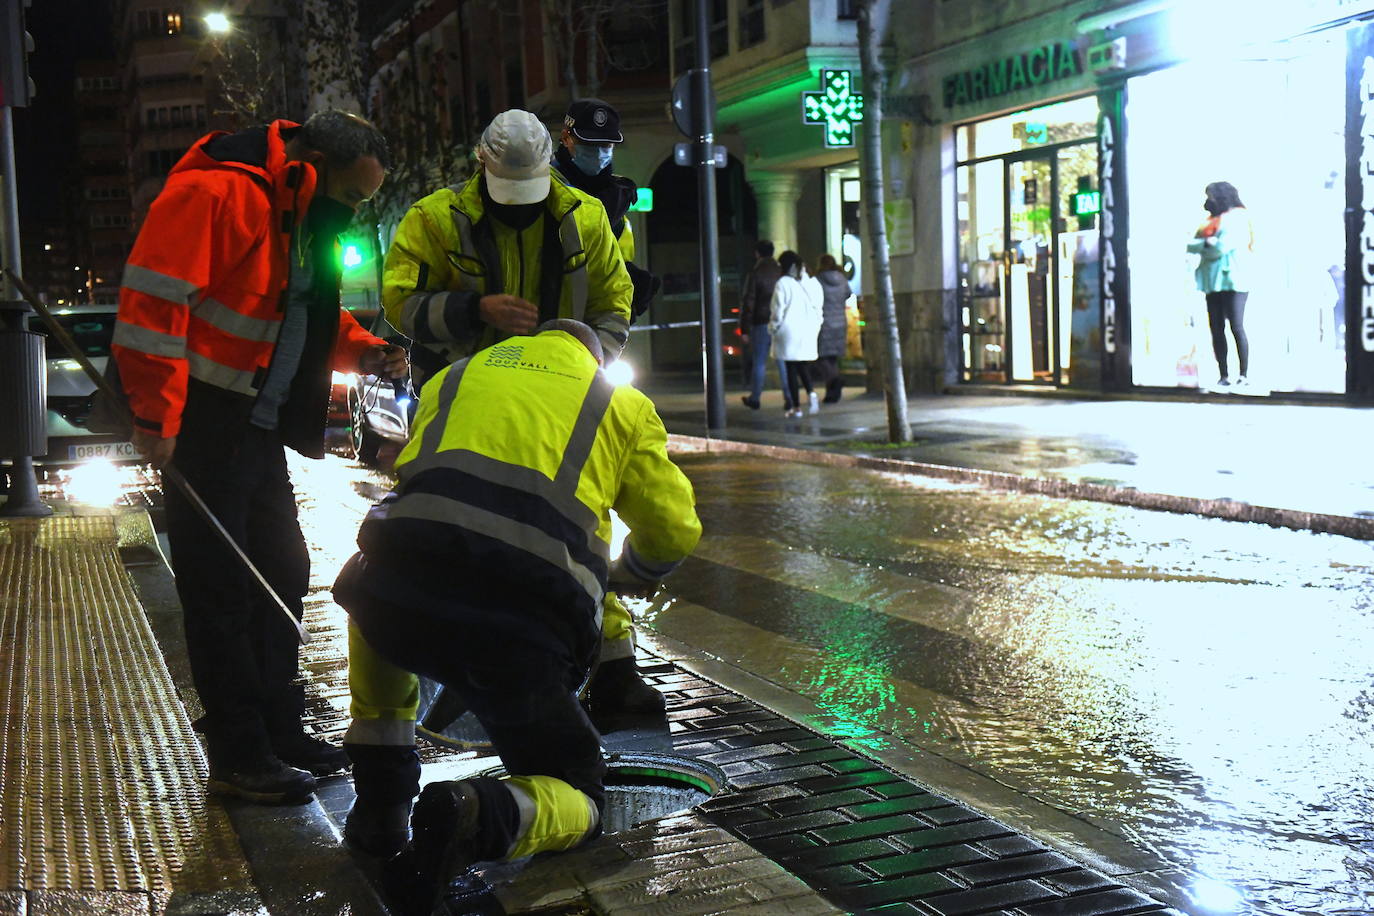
[379, 830]
[456, 824]
[618, 698]
[387, 779]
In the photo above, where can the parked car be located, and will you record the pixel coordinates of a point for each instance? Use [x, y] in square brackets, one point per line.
[373, 409]
[70, 390]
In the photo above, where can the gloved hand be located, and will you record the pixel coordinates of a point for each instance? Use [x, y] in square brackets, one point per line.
[624, 583]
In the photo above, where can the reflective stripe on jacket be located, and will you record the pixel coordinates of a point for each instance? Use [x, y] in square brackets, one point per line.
[445, 257]
[511, 472]
[201, 293]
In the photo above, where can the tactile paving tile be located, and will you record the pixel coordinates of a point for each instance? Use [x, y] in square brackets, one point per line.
[101, 777]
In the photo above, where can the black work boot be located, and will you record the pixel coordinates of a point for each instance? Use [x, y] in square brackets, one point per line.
[617, 697]
[309, 753]
[445, 825]
[265, 781]
[377, 829]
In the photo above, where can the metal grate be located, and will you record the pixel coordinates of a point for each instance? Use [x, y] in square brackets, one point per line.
[101, 777]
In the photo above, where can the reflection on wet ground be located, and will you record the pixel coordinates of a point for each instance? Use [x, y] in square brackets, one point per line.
[1204, 685]
[1205, 688]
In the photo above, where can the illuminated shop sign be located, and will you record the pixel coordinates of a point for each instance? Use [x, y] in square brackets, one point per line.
[836, 105]
[1366, 242]
[1106, 150]
[1042, 65]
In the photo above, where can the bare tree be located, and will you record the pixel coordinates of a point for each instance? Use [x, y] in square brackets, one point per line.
[871, 170]
[582, 29]
[248, 78]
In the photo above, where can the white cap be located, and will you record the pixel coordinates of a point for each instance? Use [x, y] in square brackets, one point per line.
[515, 150]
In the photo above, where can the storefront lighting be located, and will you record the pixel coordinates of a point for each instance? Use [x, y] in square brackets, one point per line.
[836, 106]
[644, 201]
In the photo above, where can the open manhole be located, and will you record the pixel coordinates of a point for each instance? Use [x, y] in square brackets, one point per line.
[643, 787]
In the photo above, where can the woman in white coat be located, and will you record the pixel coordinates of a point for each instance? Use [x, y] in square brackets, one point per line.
[794, 323]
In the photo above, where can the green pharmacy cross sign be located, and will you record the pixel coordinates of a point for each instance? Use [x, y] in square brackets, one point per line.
[836, 105]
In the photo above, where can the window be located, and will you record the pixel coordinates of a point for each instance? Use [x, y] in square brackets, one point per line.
[109, 220]
[750, 23]
[155, 23]
[160, 161]
[846, 9]
[718, 26]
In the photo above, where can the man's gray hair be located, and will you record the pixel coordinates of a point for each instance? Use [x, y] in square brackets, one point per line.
[583, 332]
[344, 137]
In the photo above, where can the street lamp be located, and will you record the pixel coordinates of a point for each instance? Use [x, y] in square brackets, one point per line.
[221, 25]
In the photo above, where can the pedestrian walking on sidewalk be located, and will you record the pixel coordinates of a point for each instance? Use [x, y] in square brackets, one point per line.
[1225, 244]
[834, 326]
[485, 571]
[755, 305]
[229, 326]
[795, 324]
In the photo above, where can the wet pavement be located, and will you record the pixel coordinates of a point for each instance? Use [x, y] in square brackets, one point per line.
[1187, 688]
[1301, 458]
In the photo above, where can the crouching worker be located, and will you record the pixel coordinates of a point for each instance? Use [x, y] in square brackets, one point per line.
[485, 571]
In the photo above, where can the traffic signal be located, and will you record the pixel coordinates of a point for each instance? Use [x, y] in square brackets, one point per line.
[352, 255]
[16, 44]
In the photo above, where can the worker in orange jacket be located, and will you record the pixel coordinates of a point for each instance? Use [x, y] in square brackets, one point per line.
[229, 326]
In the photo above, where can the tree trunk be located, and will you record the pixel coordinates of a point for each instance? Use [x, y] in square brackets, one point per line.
[871, 168]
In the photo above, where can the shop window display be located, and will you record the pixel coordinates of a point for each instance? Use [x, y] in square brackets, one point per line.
[1023, 244]
[1273, 129]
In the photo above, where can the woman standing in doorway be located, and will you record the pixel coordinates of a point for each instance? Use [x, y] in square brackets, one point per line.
[1224, 244]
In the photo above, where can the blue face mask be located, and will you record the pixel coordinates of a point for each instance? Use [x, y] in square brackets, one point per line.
[591, 160]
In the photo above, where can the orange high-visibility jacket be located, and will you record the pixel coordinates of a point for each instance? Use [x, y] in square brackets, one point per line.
[202, 291]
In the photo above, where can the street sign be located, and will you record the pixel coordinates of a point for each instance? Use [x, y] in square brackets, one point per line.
[836, 106]
[682, 109]
[682, 155]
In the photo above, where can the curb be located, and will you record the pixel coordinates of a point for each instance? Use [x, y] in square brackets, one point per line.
[1228, 509]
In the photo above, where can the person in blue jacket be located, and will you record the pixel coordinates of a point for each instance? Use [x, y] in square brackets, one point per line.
[1224, 244]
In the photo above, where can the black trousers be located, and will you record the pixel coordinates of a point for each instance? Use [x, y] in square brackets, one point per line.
[516, 674]
[798, 377]
[1223, 307]
[243, 654]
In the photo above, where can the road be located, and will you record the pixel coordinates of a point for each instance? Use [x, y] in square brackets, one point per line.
[1202, 688]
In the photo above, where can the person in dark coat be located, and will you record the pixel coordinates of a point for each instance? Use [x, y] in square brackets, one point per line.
[755, 308]
[830, 344]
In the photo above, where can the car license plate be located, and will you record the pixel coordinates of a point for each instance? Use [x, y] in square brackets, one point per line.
[102, 450]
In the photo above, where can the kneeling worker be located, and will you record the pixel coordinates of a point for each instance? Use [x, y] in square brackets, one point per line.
[485, 571]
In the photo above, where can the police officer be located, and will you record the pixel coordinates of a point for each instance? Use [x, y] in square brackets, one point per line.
[584, 160]
[617, 695]
[473, 265]
[485, 570]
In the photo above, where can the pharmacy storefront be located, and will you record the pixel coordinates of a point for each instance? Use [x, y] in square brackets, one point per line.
[1083, 151]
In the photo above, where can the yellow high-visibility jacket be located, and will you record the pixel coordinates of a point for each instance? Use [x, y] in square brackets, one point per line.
[446, 256]
[515, 459]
